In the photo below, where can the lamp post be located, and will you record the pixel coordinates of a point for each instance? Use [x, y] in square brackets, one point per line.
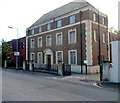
[16, 53]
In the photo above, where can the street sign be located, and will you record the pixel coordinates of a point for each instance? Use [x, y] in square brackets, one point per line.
[85, 61]
[16, 53]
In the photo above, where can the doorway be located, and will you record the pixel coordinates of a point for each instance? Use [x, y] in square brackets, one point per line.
[49, 62]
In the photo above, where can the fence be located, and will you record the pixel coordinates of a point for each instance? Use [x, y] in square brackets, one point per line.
[59, 69]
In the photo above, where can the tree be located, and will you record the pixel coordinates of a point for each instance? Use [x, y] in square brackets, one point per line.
[5, 52]
[113, 30]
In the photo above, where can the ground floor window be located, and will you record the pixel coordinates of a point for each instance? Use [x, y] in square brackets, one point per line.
[72, 54]
[59, 57]
[40, 58]
[32, 56]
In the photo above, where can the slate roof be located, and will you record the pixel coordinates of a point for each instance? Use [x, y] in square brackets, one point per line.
[60, 11]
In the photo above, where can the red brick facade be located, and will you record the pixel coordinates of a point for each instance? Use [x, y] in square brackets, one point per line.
[21, 50]
[87, 15]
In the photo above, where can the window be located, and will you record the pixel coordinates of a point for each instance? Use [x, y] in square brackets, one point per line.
[103, 37]
[72, 19]
[59, 39]
[94, 16]
[72, 36]
[40, 29]
[32, 31]
[49, 27]
[48, 40]
[22, 45]
[40, 58]
[32, 56]
[59, 23]
[59, 57]
[103, 20]
[72, 57]
[40, 42]
[95, 35]
[32, 43]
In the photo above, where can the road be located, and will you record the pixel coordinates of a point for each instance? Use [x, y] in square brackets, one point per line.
[30, 86]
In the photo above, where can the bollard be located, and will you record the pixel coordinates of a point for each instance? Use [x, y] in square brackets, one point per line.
[24, 65]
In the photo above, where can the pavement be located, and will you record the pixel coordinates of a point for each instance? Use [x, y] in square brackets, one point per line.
[90, 79]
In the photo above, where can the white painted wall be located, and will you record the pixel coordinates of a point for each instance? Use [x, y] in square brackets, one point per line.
[115, 70]
[90, 69]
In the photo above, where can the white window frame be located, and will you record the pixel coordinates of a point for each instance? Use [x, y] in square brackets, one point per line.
[103, 20]
[57, 38]
[95, 35]
[69, 58]
[59, 23]
[33, 31]
[38, 58]
[47, 40]
[49, 26]
[72, 19]
[32, 46]
[41, 42]
[72, 30]
[104, 37]
[31, 56]
[94, 16]
[57, 56]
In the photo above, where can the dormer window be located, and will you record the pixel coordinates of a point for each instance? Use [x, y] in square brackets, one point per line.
[49, 27]
[103, 20]
[33, 31]
[94, 16]
[72, 19]
[59, 23]
[40, 29]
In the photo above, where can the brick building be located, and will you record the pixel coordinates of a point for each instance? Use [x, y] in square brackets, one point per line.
[21, 50]
[72, 33]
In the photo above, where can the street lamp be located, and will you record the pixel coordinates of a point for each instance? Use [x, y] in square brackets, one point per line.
[16, 53]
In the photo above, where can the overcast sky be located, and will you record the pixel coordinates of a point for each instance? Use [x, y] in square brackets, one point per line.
[23, 13]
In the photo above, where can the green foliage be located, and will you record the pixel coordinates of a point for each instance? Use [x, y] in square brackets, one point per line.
[5, 51]
[112, 30]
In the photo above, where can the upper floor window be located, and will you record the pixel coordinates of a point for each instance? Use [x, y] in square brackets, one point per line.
[72, 19]
[72, 36]
[48, 40]
[49, 27]
[103, 20]
[95, 35]
[104, 38]
[59, 39]
[32, 43]
[94, 16]
[40, 42]
[59, 23]
[22, 45]
[40, 29]
[33, 31]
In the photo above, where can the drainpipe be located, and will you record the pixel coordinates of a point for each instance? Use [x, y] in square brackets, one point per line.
[81, 41]
[100, 56]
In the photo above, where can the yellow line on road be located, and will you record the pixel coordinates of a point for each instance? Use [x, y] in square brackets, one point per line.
[95, 84]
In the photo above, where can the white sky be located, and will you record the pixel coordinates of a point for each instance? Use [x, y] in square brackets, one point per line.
[23, 13]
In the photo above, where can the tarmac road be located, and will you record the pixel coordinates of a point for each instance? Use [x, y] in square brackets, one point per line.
[29, 86]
